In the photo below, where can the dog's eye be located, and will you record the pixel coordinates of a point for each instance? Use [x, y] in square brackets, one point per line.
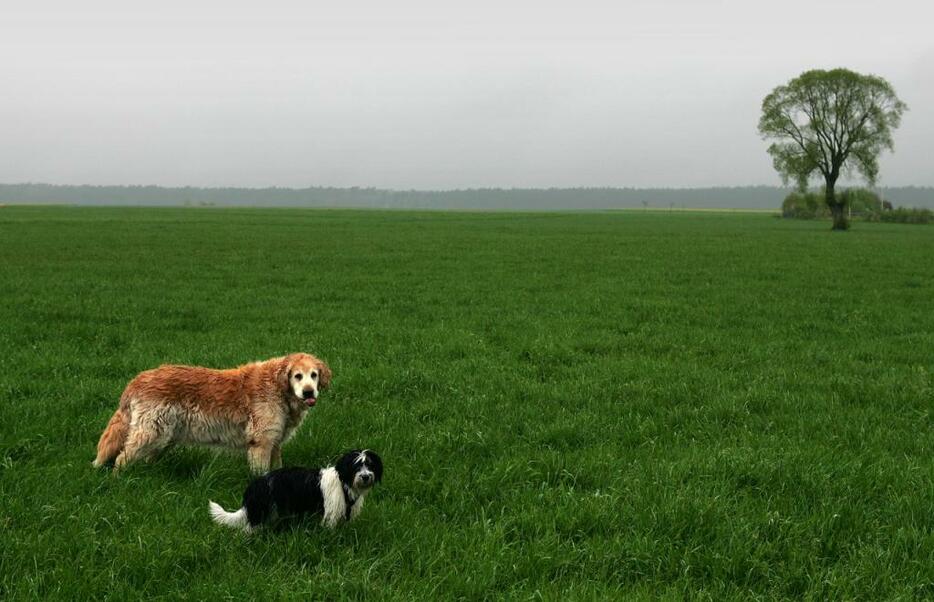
[298, 376]
[314, 375]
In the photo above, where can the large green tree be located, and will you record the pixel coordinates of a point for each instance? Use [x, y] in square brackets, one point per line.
[825, 123]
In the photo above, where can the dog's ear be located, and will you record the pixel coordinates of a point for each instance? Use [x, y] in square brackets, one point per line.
[324, 374]
[283, 373]
[345, 466]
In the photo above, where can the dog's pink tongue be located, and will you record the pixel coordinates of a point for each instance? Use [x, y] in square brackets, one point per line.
[310, 401]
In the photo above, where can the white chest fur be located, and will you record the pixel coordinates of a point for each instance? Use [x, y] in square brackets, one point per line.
[335, 504]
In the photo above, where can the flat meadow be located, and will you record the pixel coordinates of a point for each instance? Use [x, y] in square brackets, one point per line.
[600, 405]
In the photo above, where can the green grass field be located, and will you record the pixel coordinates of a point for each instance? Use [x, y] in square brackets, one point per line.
[569, 406]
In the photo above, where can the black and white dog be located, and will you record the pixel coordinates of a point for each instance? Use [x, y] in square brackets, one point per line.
[336, 492]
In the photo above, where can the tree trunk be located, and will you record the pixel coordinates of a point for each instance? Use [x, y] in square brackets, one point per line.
[840, 221]
[837, 209]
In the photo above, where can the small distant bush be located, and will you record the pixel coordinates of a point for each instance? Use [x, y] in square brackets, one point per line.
[804, 205]
[861, 201]
[903, 215]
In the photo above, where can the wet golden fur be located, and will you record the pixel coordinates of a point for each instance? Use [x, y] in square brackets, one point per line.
[254, 407]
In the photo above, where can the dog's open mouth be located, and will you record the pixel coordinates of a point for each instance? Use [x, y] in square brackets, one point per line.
[310, 401]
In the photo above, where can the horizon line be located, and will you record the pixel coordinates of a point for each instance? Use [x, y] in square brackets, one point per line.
[466, 189]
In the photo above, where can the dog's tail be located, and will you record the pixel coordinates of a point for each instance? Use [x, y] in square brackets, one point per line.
[234, 520]
[113, 437]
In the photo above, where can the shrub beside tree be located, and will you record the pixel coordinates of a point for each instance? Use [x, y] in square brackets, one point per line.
[805, 205]
[903, 215]
[859, 202]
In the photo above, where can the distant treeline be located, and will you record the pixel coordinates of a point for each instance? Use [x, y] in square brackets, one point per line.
[738, 197]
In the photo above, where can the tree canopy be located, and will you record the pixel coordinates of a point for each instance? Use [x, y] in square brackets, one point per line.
[825, 123]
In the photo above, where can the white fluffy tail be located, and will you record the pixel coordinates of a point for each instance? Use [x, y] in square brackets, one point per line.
[234, 520]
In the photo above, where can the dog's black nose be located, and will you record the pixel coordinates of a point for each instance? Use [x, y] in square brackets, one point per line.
[308, 394]
[366, 478]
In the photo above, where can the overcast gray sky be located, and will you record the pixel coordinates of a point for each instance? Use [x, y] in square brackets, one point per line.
[431, 94]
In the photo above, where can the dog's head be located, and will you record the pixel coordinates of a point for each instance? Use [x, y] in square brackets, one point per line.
[360, 469]
[304, 376]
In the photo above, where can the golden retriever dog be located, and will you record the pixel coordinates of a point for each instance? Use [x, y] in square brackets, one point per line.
[255, 407]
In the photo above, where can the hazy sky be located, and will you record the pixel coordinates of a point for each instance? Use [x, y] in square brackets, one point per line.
[413, 94]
